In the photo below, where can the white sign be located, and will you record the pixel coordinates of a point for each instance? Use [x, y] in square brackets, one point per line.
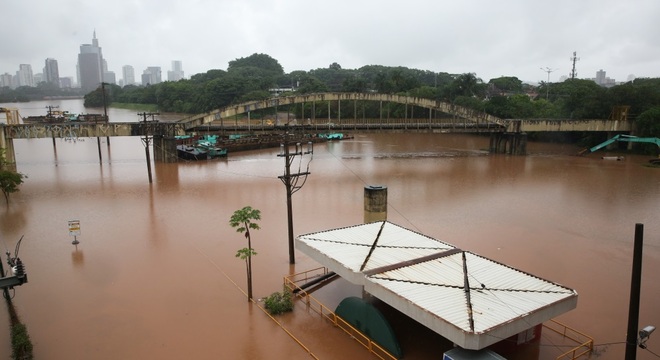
[74, 227]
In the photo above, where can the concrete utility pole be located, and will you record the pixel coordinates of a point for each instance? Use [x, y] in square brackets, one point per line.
[105, 118]
[147, 136]
[635, 287]
[292, 181]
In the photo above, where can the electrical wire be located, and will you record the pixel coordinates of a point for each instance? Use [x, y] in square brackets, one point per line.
[652, 353]
[365, 183]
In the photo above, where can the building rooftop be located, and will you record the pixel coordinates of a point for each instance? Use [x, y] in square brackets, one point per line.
[466, 298]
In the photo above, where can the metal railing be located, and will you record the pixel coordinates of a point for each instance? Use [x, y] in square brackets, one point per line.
[585, 342]
[291, 282]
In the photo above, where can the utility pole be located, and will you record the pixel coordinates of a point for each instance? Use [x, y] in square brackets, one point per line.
[547, 85]
[105, 118]
[635, 288]
[292, 182]
[19, 276]
[574, 58]
[147, 136]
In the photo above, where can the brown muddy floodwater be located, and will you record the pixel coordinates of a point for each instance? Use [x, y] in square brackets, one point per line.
[155, 276]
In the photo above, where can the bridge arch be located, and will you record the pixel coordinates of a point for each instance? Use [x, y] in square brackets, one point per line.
[230, 111]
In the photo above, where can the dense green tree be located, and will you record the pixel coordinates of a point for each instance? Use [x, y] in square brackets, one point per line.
[354, 84]
[208, 76]
[10, 180]
[648, 123]
[332, 77]
[334, 66]
[244, 220]
[508, 84]
[468, 85]
[261, 61]
[311, 84]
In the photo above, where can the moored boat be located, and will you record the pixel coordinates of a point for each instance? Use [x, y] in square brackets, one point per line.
[188, 152]
[208, 144]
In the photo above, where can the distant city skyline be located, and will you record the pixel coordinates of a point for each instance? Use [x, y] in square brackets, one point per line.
[91, 70]
[91, 55]
[490, 39]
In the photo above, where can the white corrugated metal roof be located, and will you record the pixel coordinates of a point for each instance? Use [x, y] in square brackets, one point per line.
[426, 279]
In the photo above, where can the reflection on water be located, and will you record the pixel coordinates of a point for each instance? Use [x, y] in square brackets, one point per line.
[159, 279]
[77, 257]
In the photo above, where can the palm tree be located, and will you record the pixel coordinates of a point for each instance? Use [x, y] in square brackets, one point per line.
[242, 220]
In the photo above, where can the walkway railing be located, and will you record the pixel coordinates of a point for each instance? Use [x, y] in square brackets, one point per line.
[585, 342]
[291, 282]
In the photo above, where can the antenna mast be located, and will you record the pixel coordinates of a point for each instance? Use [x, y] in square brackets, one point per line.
[574, 58]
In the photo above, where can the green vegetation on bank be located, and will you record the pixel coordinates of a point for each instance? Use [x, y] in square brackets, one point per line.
[252, 78]
[137, 107]
[39, 92]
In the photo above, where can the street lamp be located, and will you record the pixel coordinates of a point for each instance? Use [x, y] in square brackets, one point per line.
[293, 182]
[644, 335]
[547, 85]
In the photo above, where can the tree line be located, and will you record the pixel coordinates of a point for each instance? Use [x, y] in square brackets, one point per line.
[252, 77]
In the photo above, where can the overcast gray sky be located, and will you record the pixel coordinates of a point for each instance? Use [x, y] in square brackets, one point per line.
[489, 38]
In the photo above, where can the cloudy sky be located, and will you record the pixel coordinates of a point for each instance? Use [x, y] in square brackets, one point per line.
[518, 38]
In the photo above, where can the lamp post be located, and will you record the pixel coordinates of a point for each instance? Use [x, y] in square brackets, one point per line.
[547, 85]
[292, 181]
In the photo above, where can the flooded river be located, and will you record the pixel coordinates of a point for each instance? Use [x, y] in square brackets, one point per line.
[155, 276]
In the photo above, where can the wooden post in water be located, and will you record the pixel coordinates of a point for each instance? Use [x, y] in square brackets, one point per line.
[375, 203]
[98, 145]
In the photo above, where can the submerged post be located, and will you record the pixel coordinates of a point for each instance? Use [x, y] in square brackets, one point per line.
[147, 136]
[375, 203]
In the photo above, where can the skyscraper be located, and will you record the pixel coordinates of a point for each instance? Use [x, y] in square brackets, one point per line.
[90, 65]
[176, 73]
[51, 72]
[128, 74]
[6, 80]
[151, 76]
[24, 75]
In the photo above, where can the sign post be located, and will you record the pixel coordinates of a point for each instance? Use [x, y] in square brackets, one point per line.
[74, 230]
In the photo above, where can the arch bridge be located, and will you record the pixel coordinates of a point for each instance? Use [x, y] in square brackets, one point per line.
[435, 115]
[508, 135]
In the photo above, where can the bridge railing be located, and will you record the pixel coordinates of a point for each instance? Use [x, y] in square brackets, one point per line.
[348, 124]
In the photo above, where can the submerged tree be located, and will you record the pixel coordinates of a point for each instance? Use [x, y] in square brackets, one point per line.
[243, 221]
[9, 179]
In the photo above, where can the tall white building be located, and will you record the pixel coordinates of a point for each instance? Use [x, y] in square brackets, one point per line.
[6, 80]
[176, 73]
[128, 74]
[151, 76]
[602, 79]
[51, 72]
[24, 75]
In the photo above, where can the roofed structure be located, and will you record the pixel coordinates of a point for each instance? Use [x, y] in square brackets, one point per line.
[466, 298]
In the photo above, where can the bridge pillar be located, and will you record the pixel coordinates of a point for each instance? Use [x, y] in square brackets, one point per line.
[7, 150]
[508, 143]
[165, 150]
